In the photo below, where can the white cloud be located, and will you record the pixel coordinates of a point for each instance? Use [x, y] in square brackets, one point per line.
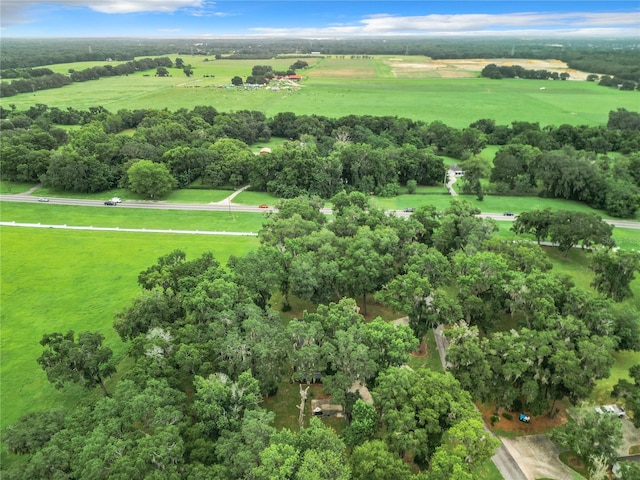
[625, 24]
[134, 6]
[18, 11]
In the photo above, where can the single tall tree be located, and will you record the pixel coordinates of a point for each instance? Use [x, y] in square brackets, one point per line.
[614, 271]
[85, 361]
[150, 179]
[590, 434]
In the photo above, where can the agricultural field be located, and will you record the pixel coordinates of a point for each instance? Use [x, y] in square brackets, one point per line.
[412, 87]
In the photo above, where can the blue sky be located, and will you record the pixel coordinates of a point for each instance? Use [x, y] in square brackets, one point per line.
[317, 19]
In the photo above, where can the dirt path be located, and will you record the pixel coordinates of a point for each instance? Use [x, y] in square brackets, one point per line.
[452, 179]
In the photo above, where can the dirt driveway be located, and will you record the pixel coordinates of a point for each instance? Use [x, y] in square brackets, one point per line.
[537, 457]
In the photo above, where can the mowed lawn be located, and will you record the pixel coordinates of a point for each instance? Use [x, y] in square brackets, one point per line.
[338, 87]
[54, 280]
[139, 218]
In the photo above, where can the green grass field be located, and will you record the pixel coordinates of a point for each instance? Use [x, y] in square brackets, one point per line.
[338, 87]
[54, 280]
[130, 218]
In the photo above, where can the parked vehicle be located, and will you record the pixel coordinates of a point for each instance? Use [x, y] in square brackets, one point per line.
[612, 409]
[524, 418]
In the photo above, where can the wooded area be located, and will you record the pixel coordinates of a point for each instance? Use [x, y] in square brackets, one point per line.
[207, 345]
[355, 153]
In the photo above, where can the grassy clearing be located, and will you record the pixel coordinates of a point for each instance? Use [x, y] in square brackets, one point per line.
[54, 280]
[256, 198]
[620, 370]
[488, 471]
[571, 460]
[285, 404]
[363, 68]
[431, 359]
[8, 187]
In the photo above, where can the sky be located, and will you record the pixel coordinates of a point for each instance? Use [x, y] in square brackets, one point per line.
[317, 19]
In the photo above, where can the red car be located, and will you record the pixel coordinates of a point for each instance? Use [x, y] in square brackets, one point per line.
[263, 206]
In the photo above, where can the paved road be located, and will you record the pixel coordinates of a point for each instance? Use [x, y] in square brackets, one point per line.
[506, 464]
[224, 206]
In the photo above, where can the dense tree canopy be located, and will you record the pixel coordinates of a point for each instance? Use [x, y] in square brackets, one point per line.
[323, 155]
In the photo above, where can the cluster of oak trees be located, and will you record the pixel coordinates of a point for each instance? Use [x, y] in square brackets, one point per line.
[206, 347]
[603, 183]
[261, 74]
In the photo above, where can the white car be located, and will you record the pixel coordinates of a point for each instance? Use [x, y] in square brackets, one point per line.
[115, 200]
[612, 409]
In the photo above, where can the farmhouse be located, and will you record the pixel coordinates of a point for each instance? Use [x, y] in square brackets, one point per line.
[296, 78]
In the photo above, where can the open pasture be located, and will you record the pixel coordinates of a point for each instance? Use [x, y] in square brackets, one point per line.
[337, 87]
[346, 67]
[54, 280]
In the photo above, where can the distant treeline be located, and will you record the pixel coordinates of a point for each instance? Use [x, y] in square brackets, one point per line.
[617, 57]
[31, 80]
[516, 71]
